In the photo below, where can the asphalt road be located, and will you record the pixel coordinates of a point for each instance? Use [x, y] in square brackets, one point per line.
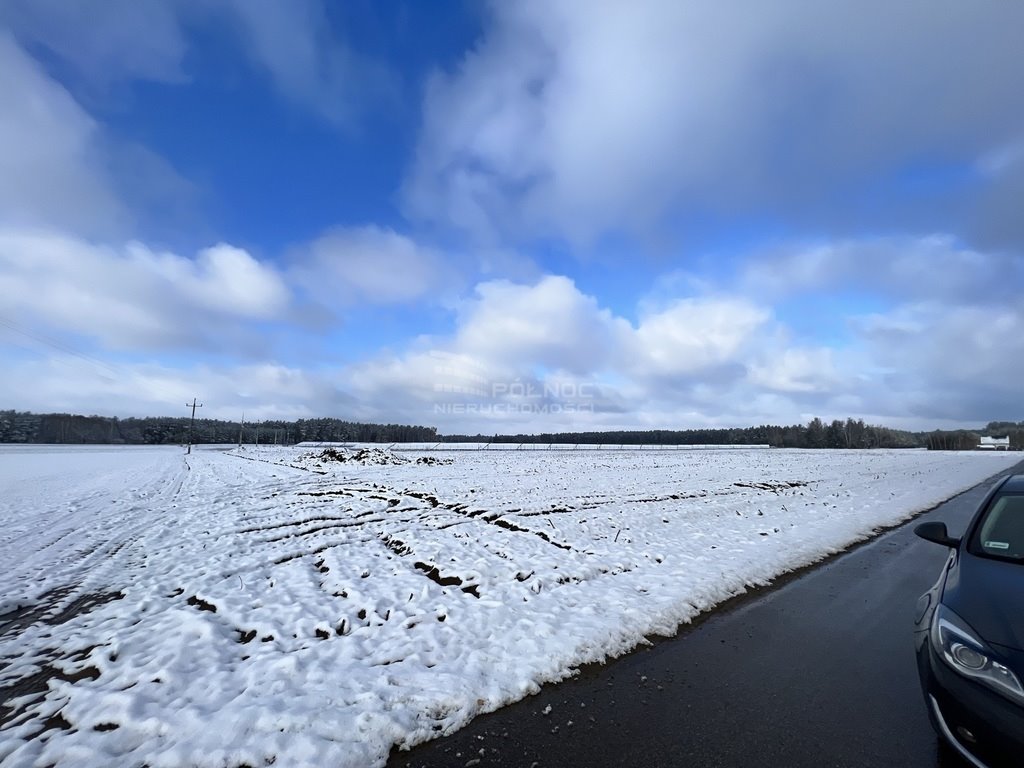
[818, 672]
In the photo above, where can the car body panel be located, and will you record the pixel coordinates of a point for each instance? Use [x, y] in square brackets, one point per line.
[989, 595]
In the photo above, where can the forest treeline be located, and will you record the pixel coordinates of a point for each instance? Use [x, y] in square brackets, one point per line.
[852, 433]
[24, 427]
[815, 434]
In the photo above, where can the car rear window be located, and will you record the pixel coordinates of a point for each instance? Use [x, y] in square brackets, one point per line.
[1001, 532]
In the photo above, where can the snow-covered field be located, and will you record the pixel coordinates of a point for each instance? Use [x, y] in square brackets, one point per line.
[227, 608]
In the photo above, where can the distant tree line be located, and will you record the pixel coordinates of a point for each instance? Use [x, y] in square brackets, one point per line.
[23, 427]
[815, 434]
[953, 440]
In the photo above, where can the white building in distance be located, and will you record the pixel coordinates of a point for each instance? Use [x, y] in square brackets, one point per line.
[994, 444]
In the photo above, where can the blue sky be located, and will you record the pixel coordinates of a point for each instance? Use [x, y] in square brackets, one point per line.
[656, 215]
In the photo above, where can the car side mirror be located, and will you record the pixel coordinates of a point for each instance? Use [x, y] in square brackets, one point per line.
[937, 533]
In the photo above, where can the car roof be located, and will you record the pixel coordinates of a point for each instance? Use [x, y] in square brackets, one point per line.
[1013, 484]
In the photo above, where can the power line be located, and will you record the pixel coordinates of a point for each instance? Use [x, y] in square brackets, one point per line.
[110, 373]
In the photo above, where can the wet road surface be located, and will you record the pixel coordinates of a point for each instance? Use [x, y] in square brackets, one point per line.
[817, 673]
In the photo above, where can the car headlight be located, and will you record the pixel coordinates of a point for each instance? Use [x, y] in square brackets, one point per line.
[961, 648]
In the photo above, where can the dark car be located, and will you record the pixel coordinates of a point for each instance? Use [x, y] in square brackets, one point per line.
[969, 632]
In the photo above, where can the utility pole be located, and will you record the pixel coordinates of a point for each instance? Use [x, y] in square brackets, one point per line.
[192, 421]
[257, 434]
[241, 426]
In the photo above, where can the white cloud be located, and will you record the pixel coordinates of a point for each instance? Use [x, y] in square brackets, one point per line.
[548, 324]
[51, 168]
[995, 221]
[60, 169]
[135, 298]
[371, 265]
[225, 279]
[291, 41]
[796, 370]
[987, 339]
[1003, 158]
[104, 42]
[963, 362]
[693, 335]
[931, 266]
[944, 349]
[576, 119]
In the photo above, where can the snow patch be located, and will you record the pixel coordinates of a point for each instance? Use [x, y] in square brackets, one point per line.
[251, 607]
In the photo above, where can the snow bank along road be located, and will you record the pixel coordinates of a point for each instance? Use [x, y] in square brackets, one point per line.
[227, 609]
